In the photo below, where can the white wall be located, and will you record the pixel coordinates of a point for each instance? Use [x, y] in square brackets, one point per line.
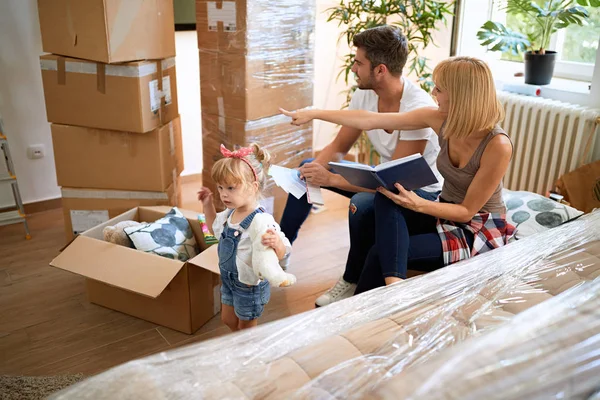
[328, 61]
[22, 100]
[188, 92]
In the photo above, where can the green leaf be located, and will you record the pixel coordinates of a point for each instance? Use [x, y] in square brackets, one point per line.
[500, 38]
[589, 3]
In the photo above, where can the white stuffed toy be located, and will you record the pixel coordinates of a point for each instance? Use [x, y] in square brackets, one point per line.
[264, 259]
[116, 234]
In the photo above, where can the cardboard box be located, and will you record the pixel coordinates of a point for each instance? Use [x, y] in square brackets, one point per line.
[255, 56]
[109, 31]
[255, 27]
[84, 209]
[179, 295]
[103, 159]
[288, 144]
[250, 88]
[135, 97]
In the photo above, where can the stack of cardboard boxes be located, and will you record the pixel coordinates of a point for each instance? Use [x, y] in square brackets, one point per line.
[255, 56]
[111, 96]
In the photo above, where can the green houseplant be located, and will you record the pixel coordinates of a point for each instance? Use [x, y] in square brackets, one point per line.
[418, 20]
[542, 19]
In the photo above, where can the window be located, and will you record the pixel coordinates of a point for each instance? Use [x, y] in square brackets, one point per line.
[576, 45]
[580, 59]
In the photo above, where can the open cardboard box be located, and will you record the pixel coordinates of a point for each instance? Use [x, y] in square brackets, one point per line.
[179, 295]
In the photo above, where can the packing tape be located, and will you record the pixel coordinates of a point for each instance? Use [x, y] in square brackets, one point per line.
[61, 71]
[112, 194]
[132, 70]
[221, 111]
[161, 98]
[172, 138]
[101, 77]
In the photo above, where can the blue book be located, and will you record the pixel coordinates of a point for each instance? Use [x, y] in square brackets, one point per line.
[412, 172]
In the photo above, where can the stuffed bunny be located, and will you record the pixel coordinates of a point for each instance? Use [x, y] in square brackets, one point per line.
[116, 234]
[264, 259]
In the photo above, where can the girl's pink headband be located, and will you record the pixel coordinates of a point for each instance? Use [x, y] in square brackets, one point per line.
[240, 154]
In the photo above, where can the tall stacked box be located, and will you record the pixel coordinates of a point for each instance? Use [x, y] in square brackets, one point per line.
[255, 56]
[111, 95]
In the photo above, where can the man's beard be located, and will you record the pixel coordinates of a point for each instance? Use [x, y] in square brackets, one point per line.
[368, 84]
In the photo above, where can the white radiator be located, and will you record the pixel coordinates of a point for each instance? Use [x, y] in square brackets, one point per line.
[549, 137]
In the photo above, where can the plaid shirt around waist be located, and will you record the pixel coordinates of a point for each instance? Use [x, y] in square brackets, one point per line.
[489, 231]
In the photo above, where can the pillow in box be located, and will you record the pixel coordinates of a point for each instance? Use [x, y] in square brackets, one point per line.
[532, 213]
[170, 236]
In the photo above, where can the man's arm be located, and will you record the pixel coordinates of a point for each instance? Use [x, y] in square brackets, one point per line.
[407, 147]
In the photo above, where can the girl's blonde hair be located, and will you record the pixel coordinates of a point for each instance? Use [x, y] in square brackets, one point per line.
[472, 97]
[234, 171]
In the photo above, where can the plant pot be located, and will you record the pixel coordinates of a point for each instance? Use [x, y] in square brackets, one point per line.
[539, 67]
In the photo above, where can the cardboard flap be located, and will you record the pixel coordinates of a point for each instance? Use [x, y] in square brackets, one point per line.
[208, 259]
[125, 268]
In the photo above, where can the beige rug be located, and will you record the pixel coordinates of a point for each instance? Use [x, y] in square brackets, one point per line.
[34, 387]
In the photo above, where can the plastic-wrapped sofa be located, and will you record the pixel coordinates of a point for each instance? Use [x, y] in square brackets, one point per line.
[521, 321]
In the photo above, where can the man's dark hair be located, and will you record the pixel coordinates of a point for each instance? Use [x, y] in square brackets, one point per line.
[384, 45]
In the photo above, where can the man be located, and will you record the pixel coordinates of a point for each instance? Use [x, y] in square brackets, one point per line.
[381, 54]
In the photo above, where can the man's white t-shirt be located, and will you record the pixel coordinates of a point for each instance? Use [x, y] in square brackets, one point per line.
[413, 97]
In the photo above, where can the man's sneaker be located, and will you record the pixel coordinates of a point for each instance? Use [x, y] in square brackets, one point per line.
[340, 291]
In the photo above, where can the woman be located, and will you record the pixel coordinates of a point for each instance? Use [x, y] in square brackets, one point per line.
[469, 216]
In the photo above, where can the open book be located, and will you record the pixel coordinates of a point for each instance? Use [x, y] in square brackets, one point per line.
[412, 172]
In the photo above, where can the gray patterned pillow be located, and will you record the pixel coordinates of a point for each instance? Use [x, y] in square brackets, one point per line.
[532, 213]
[171, 237]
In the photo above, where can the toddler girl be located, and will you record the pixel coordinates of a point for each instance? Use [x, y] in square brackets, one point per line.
[241, 177]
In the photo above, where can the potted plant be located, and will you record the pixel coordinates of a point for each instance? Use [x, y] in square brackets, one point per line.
[540, 23]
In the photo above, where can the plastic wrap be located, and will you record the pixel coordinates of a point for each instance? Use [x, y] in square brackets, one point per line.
[521, 321]
[255, 56]
[288, 144]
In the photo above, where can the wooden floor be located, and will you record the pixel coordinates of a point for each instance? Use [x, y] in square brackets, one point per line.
[47, 327]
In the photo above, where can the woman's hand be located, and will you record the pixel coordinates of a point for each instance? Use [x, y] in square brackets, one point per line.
[300, 117]
[205, 196]
[404, 198]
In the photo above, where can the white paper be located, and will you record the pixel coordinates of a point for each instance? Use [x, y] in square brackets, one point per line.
[288, 180]
[314, 194]
[166, 91]
[155, 94]
[82, 220]
[225, 14]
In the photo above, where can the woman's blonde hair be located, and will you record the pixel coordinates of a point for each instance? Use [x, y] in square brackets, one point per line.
[234, 171]
[473, 105]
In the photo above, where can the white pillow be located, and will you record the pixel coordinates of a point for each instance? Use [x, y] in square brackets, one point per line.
[171, 237]
[532, 213]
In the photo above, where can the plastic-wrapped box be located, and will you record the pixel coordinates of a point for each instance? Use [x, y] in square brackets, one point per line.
[288, 144]
[255, 56]
[521, 321]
